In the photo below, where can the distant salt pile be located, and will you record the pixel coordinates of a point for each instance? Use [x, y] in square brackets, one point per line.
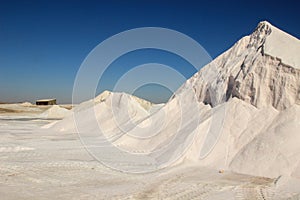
[108, 110]
[106, 94]
[26, 104]
[55, 112]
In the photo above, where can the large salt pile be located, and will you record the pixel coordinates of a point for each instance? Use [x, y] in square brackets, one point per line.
[258, 83]
[240, 112]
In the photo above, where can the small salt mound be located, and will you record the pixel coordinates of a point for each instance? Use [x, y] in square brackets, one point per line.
[55, 112]
[106, 94]
[110, 110]
[91, 103]
[26, 104]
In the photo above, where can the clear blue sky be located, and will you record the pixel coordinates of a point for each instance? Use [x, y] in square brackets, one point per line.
[43, 43]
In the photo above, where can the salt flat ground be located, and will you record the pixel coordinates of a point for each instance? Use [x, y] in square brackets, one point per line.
[36, 163]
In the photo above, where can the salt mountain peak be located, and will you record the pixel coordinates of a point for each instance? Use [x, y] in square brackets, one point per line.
[262, 69]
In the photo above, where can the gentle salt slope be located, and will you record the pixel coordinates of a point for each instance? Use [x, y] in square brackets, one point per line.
[283, 46]
[108, 110]
[55, 112]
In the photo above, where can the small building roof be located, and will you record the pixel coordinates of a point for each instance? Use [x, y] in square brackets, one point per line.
[45, 100]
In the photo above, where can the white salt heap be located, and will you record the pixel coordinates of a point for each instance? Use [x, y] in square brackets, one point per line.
[106, 108]
[55, 112]
[260, 133]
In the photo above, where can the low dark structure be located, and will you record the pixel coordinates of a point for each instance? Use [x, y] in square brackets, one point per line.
[46, 102]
